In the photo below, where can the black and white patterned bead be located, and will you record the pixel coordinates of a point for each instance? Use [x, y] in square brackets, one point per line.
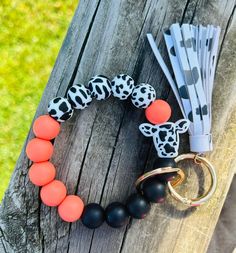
[122, 86]
[79, 96]
[60, 109]
[143, 95]
[166, 136]
[100, 87]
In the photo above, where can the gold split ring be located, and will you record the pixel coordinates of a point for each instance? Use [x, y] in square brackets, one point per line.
[164, 170]
[197, 159]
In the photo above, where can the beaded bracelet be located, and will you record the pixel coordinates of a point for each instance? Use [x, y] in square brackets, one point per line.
[192, 51]
[46, 128]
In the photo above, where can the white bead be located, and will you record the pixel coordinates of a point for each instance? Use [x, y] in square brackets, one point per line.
[122, 86]
[60, 109]
[100, 87]
[143, 95]
[79, 96]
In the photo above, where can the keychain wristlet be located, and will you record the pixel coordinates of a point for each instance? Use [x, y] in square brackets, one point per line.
[151, 186]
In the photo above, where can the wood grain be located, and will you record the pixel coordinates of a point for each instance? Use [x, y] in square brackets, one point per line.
[100, 151]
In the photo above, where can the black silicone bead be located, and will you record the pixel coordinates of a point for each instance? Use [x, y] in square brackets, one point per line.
[154, 190]
[138, 207]
[167, 177]
[116, 215]
[93, 215]
[165, 162]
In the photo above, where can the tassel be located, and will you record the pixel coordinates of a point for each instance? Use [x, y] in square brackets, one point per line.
[192, 52]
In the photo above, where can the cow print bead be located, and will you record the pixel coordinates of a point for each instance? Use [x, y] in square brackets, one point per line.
[143, 95]
[79, 96]
[100, 87]
[122, 86]
[60, 109]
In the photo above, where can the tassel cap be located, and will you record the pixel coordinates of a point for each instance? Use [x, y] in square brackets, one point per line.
[201, 143]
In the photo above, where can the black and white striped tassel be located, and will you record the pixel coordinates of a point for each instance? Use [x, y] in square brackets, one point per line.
[193, 55]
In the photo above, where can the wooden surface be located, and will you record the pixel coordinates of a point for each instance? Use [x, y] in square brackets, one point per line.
[223, 239]
[100, 151]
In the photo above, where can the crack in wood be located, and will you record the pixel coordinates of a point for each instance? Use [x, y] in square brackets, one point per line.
[83, 46]
[185, 11]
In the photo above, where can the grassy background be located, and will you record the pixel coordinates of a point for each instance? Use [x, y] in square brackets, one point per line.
[31, 33]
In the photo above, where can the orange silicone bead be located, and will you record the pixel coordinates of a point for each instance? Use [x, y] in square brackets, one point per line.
[42, 173]
[53, 193]
[45, 127]
[158, 112]
[39, 150]
[71, 208]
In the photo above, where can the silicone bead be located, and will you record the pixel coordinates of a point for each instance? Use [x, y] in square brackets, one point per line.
[60, 109]
[79, 96]
[39, 150]
[100, 87]
[53, 193]
[71, 208]
[116, 215]
[154, 191]
[122, 86]
[167, 177]
[42, 173]
[45, 127]
[93, 216]
[138, 207]
[165, 162]
[158, 112]
[143, 95]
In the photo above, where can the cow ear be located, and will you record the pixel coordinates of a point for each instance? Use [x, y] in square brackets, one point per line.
[147, 129]
[182, 125]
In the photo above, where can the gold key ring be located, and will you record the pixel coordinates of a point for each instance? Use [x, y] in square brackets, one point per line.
[164, 170]
[202, 199]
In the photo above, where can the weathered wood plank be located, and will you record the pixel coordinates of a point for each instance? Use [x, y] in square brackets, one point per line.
[100, 152]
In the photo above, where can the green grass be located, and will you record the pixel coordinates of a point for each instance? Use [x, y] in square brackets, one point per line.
[31, 33]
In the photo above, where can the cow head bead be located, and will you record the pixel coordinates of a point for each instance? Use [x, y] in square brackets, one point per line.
[165, 136]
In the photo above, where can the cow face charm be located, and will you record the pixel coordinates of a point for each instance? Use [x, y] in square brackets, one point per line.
[165, 136]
